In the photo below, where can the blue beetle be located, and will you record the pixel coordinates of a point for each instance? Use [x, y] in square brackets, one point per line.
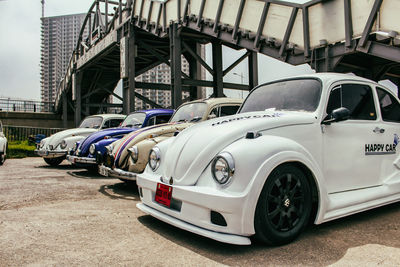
[85, 152]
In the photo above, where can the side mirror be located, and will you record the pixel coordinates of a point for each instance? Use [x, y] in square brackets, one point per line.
[339, 114]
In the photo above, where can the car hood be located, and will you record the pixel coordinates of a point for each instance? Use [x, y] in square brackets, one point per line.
[120, 150]
[56, 138]
[95, 137]
[193, 149]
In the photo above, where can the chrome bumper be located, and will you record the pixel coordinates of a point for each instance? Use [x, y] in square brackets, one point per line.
[117, 173]
[82, 160]
[50, 154]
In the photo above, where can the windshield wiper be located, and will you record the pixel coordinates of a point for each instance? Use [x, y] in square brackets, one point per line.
[195, 119]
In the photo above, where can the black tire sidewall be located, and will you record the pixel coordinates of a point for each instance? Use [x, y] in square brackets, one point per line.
[53, 161]
[265, 232]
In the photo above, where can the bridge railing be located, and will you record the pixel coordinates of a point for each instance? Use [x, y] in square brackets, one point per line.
[11, 105]
[22, 133]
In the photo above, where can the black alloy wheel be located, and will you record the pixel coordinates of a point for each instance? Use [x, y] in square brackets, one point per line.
[284, 206]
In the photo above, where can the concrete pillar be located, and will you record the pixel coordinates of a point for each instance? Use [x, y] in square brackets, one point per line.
[218, 71]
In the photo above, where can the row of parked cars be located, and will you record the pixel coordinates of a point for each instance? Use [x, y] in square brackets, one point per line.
[306, 149]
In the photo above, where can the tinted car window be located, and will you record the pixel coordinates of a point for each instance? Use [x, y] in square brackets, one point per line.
[115, 122]
[162, 119]
[390, 107]
[190, 112]
[134, 120]
[357, 98]
[296, 95]
[228, 110]
[91, 122]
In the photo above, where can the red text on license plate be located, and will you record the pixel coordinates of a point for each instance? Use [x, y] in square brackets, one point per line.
[164, 194]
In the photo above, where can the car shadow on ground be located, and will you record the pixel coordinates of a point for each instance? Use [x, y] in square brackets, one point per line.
[65, 166]
[319, 245]
[121, 190]
[86, 174]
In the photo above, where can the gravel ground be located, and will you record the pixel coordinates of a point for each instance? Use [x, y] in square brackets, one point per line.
[65, 216]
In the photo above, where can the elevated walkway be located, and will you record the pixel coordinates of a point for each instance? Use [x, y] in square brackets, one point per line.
[360, 36]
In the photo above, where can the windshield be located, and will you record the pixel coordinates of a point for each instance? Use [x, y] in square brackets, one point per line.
[293, 95]
[134, 120]
[91, 122]
[190, 112]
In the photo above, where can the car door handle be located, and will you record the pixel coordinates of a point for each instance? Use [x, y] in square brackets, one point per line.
[379, 130]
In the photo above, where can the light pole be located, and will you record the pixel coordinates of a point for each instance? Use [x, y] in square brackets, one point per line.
[241, 78]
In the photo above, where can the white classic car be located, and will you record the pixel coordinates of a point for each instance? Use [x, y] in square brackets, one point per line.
[307, 149]
[3, 145]
[54, 149]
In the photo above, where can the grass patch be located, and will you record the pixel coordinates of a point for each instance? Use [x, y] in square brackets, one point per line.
[20, 149]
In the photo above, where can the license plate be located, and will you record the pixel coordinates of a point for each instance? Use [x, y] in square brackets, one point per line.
[103, 171]
[164, 194]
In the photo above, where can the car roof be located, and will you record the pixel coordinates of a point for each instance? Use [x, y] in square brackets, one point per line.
[159, 111]
[108, 116]
[218, 100]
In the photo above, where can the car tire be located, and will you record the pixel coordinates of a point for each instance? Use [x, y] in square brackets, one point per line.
[284, 206]
[2, 158]
[54, 161]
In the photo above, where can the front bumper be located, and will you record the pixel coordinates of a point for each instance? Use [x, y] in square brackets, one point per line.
[51, 153]
[81, 160]
[117, 173]
[191, 208]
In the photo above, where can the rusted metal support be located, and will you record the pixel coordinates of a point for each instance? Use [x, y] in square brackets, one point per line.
[370, 22]
[306, 32]
[148, 101]
[65, 110]
[129, 88]
[106, 12]
[186, 10]
[218, 15]
[253, 70]
[120, 12]
[198, 58]
[148, 25]
[237, 62]
[261, 25]
[176, 66]
[77, 96]
[288, 31]
[195, 72]
[348, 22]
[158, 19]
[200, 18]
[218, 83]
[238, 19]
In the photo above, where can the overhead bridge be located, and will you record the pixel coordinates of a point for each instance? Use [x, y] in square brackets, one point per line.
[123, 39]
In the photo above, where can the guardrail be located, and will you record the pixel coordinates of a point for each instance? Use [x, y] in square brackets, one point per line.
[21, 133]
[7, 104]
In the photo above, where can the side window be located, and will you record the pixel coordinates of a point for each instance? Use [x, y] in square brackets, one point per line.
[390, 107]
[151, 121]
[115, 123]
[357, 98]
[162, 119]
[214, 113]
[106, 125]
[229, 110]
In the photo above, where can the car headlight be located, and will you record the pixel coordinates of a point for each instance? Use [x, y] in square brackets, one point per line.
[154, 158]
[134, 153]
[223, 168]
[92, 149]
[63, 144]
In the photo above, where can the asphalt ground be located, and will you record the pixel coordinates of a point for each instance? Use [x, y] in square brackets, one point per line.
[66, 216]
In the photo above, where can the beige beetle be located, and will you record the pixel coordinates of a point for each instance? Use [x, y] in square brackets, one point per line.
[129, 156]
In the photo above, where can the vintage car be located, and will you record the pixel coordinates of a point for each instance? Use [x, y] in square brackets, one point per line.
[306, 149]
[3, 145]
[94, 145]
[54, 149]
[128, 156]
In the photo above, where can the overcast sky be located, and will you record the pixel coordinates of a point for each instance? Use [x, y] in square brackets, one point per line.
[20, 48]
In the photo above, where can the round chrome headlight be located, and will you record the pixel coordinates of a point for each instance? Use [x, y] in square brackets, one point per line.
[154, 158]
[223, 168]
[92, 149]
[134, 153]
[63, 144]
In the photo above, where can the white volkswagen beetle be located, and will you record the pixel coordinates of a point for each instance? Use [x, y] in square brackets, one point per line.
[310, 148]
[3, 145]
[54, 149]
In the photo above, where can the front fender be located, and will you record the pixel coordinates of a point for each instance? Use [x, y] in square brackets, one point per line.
[101, 145]
[256, 158]
[71, 140]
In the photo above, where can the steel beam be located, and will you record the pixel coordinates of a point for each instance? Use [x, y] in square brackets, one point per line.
[218, 15]
[306, 32]
[148, 101]
[288, 31]
[261, 25]
[348, 23]
[77, 80]
[218, 83]
[253, 70]
[237, 62]
[370, 22]
[128, 82]
[65, 110]
[198, 58]
[238, 19]
[176, 66]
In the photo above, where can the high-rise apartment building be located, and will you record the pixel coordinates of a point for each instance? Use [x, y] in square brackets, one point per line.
[59, 37]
